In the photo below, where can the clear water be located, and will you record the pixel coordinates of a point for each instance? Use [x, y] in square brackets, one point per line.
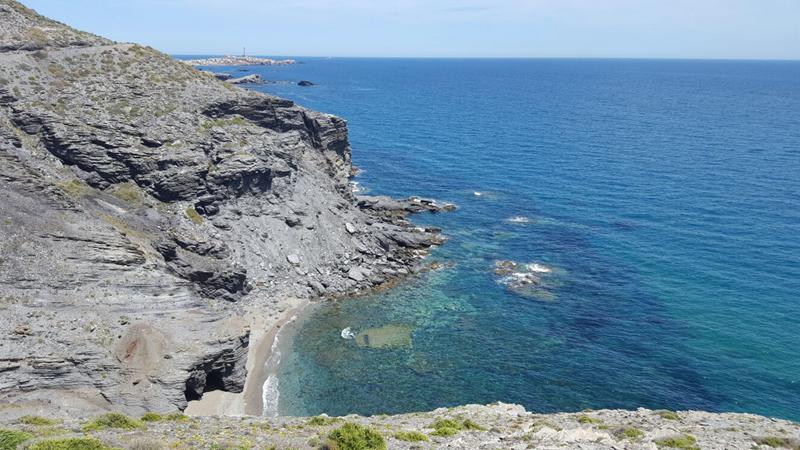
[664, 194]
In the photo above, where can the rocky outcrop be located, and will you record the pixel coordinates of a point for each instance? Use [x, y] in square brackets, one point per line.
[145, 204]
[497, 426]
[239, 61]
[247, 79]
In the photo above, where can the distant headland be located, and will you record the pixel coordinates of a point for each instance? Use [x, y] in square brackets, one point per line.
[239, 61]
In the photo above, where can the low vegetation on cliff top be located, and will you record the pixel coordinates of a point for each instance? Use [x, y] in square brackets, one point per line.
[69, 444]
[37, 421]
[351, 436]
[451, 427]
[114, 420]
[410, 436]
[173, 417]
[10, 439]
[685, 442]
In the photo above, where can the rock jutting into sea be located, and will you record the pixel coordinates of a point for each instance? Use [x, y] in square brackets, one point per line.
[239, 61]
[247, 79]
[151, 211]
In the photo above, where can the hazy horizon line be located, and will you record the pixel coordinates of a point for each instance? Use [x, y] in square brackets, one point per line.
[637, 58]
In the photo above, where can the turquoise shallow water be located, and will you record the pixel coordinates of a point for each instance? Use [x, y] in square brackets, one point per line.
[664, 194]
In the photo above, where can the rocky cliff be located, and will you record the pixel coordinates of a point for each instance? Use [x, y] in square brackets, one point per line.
[145, 205]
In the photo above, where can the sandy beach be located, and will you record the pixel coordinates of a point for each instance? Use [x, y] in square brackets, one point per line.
[264, 330]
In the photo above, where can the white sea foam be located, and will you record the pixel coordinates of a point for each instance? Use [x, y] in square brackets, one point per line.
[539, 268]
[270, 394]
[347, 333]
[355, 187]
[519, 219]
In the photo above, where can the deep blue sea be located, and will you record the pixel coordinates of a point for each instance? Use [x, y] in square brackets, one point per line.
[663, 196]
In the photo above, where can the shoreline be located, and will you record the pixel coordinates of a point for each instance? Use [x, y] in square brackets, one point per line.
[263, 334]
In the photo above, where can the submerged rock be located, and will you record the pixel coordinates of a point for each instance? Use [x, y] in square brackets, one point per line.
[530, 280]
[305, 83]
[385, 337]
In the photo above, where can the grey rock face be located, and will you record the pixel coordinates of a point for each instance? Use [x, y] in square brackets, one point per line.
[247, 79]
[145, 204]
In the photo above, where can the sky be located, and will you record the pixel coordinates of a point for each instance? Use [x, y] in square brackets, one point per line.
[727, 29]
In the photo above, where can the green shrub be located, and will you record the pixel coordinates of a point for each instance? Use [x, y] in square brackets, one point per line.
[193, 215]
[410, 436]
[151, 417]
[470, 425]
[445, 432]
[320, 421]
[630, 433]
[176, 417]
[70, 444]
[685, 442]
[451, 427]
[128, 192]
[538, 425]
[445, 423]
[669, 415]
[74, 188]
[351, 436]
[171, 417]
[113, 420]
[10, 439]
[37, 421]
[583, 418]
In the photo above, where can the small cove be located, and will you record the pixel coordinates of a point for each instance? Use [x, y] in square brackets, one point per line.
[661, 193]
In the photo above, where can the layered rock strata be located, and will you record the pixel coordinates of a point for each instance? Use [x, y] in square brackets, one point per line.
[145, 205]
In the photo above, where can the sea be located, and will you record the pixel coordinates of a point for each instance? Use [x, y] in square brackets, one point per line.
[627, 235]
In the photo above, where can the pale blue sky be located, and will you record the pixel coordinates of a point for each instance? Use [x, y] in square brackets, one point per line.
[757, 29]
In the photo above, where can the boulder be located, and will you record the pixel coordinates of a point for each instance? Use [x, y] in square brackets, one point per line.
[247, 79]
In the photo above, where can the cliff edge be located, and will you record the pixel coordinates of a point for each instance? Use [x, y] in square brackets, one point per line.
[496, 426]
[146, 206]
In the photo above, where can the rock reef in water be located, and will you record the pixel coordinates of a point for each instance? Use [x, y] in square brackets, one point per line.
[529, 280]
[239, 61]
[147, 205]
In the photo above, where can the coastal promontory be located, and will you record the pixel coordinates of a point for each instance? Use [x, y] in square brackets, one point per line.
[148, 209]
[158, 225]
